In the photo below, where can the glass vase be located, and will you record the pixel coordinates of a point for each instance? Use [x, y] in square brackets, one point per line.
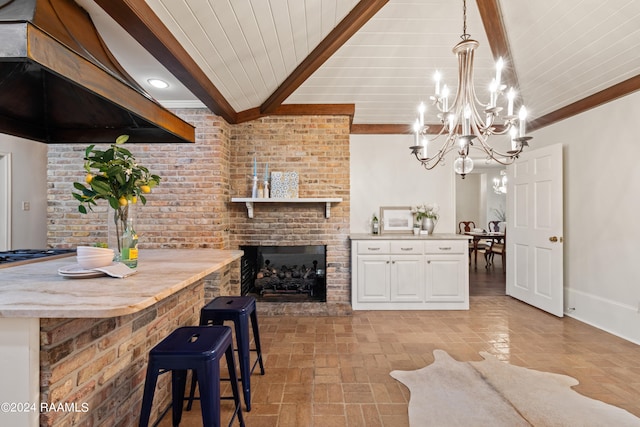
[117, 221]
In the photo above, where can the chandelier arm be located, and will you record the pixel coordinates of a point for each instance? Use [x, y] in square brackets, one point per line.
[432, 162]
[497, 155]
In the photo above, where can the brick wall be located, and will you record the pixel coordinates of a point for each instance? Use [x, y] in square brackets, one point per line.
[102, 362]
[187, 210]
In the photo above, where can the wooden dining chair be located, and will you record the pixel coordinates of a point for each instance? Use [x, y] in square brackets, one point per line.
[494, 226]
[465, 227]
[497, 247]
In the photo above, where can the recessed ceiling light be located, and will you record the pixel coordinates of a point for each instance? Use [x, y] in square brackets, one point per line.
[160, 84]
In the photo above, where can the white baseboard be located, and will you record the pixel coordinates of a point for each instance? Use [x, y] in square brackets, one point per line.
[622, 320]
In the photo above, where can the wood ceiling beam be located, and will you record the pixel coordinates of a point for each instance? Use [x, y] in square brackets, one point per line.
[359, 15]
[499, 43]
[300, 110]
[599, 98]
[139, 20]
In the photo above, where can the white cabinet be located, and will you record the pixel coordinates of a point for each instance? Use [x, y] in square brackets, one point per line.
[412, 274]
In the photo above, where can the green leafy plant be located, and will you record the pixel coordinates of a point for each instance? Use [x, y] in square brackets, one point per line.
[114, 175]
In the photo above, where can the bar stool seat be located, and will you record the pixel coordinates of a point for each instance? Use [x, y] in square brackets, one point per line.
[238, 309]
[196, 348]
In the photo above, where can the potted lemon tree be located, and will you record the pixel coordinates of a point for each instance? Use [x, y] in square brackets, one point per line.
[114, 175]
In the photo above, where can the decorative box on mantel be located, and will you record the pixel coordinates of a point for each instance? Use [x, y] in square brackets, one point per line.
[284, 185]
[250, 201]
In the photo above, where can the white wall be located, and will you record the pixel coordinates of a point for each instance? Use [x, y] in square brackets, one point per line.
[28, 184]
[601, 208]
[469, 197]
[384, 173]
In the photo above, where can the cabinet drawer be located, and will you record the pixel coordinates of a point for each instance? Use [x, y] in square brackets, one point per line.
[373, 247]
[446, 247]
[407, 247]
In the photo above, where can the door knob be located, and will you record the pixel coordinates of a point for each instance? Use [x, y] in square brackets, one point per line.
[553, 239]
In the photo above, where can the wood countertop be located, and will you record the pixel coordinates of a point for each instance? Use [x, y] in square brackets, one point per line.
[36, 289]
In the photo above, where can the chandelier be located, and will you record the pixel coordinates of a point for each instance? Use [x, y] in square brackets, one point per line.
[467, 123]
[500, 184]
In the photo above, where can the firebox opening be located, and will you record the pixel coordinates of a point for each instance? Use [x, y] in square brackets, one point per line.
[285, 273]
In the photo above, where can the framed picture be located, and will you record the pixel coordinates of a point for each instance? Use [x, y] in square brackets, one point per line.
[396, 220]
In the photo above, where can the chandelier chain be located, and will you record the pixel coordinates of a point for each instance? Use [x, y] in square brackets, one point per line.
[464, 35]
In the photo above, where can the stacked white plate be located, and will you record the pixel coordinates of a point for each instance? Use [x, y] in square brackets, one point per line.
[74, 271]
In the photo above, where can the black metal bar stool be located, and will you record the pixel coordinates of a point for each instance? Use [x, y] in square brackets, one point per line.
[196, 348]
[238, 310]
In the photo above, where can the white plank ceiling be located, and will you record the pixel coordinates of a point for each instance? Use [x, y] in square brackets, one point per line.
[563, 51]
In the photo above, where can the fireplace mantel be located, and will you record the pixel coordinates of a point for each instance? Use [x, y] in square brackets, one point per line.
[249, 201]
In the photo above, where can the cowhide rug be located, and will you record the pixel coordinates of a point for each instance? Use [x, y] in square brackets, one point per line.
[493, 393]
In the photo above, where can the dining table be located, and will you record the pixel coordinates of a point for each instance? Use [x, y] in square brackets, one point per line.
[483, 235]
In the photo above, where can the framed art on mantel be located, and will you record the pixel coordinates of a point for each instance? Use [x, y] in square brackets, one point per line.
[396, 220]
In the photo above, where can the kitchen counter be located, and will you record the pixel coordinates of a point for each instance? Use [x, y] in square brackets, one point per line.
[82, 344]
[434, 236]
[36, 289]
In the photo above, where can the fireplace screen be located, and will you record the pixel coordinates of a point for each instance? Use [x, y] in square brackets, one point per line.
[284, 273]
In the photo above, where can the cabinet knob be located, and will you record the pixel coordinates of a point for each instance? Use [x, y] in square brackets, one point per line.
[446, 248]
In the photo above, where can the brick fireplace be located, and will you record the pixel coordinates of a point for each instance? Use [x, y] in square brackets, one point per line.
[317, 147]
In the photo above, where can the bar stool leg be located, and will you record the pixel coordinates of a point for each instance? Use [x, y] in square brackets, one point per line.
[209, 395]
[243, 358]
[147, 398]
[256, 339]
[178, 383]
[234, 385]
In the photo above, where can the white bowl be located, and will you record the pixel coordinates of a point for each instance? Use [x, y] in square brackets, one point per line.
[92, 250]
[95, 261]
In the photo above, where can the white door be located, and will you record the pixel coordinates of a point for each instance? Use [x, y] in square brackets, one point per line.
[534, 229]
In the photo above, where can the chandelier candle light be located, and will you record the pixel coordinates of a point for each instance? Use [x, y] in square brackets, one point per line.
[467, 123]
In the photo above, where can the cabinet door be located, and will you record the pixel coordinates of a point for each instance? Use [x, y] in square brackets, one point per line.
[407, 278]
[373, 278]
[446, 278]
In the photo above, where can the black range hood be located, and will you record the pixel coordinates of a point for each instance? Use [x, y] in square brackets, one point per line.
[59, 83]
